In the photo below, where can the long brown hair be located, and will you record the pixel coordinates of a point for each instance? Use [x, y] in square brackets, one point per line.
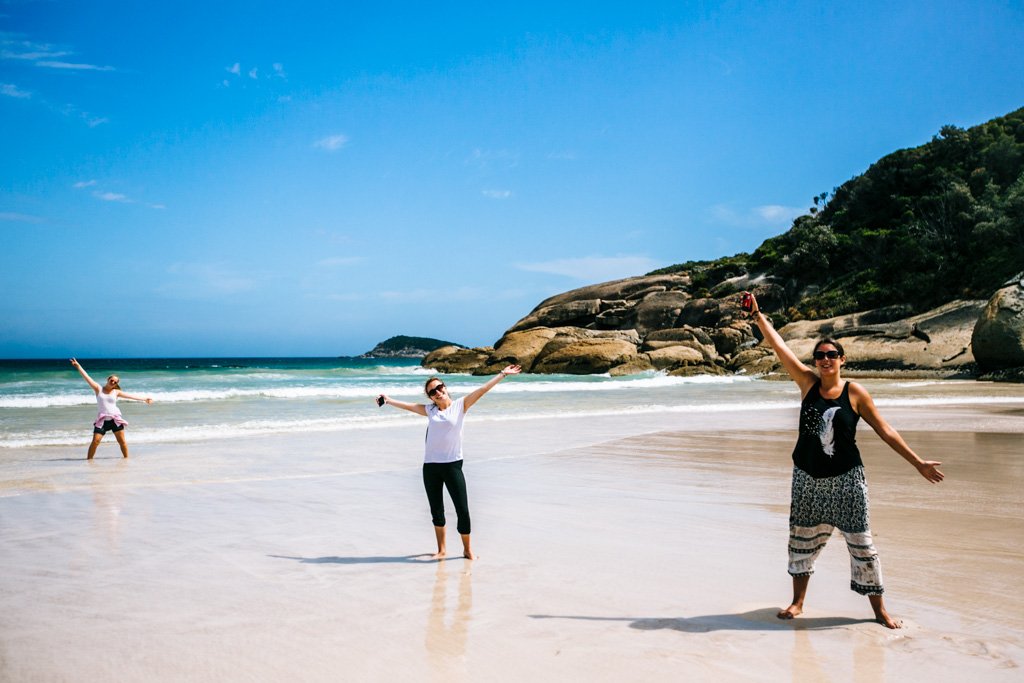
[427, 384]
[117, 384]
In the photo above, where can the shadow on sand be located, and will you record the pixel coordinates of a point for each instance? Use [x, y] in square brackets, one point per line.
[422, 558]
[81, 459]
[755, 620]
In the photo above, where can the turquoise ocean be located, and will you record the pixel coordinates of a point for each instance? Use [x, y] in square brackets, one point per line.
[46, 403]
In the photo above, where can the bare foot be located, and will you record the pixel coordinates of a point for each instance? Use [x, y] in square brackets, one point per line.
[881, 615]
[439, 555]
[790, 612]
[469, 555]
[883, 618]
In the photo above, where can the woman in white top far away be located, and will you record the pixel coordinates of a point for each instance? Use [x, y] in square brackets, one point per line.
[109, 417]
[442, 462]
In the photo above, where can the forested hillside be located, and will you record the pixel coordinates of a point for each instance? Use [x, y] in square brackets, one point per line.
[921, 226]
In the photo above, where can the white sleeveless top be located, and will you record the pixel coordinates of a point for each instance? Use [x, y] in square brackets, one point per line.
[444, 432]
[107, 403]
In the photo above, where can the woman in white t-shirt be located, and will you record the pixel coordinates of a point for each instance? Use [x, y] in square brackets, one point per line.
[442, 462]
[108, 417]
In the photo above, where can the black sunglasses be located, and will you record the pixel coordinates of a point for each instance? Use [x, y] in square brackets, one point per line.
[437, 388]
[822, 355]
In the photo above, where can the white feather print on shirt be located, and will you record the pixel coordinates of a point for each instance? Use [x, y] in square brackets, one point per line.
[828, 432]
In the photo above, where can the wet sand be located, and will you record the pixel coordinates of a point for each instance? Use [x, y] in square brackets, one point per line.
[612, 549]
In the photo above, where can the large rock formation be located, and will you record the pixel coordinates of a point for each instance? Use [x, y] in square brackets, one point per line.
[654, 323]
[450, 359]
[609, 305]
[998, 338]
[936, 342]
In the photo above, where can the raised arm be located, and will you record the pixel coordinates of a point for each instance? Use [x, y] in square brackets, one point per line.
[862, 402]
[85, 375]
[801, 374]
[417, 408]
[475, 395]
[142, 399]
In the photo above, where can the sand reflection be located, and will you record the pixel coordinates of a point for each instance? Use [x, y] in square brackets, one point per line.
[107, 499]
[448, 625]
[867, 659]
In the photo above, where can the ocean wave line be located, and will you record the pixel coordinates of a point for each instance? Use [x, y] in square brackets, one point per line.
[345, 392]
[377, 421]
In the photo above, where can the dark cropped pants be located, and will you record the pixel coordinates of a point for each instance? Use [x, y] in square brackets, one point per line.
[436, 476]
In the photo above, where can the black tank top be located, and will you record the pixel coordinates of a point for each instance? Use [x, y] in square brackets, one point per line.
[827, 446]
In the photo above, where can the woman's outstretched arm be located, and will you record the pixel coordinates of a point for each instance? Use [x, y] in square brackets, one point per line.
[417, 408]
[801, 374]
[475, 395]
[862, 402]
[85, 375]
[142, 399]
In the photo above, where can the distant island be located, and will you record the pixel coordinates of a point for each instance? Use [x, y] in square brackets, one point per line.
[403, 346]
[916, 263]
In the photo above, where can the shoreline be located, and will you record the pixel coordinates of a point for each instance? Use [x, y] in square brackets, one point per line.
[616, 549]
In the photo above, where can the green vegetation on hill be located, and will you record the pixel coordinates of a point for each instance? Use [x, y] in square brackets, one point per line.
[921, 226]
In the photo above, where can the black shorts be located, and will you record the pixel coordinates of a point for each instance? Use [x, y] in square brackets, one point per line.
[108, 426]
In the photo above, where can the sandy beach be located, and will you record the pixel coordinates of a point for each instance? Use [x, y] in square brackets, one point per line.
[625, 549]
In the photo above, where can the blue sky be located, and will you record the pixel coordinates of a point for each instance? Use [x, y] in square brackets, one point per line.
[252, 178]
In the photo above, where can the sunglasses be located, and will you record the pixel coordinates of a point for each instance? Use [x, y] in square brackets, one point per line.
[437, 388]
[822, 355]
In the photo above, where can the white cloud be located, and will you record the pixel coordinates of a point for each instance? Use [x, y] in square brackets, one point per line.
[417, 295]
[497, 194]
[340, 261]
[254, 73]
[279, 70]
[28, 51]
[205, 281]
[332, 142]
[235, 68]
[75, 66]
[43, 54]
[411, 296]
[12, 90]
[90, 120]
[758, 216]
[775, 213]
[488, 157]
[32, 56]
[19, 217]
[111, 197]
[594, 268]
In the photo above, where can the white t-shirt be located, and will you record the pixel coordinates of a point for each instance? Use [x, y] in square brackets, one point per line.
[444, 432]
[107, 403]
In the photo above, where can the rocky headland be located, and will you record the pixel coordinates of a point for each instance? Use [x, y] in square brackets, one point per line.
[403, 346]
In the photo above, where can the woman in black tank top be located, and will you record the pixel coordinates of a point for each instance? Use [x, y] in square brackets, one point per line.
[829, 489]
